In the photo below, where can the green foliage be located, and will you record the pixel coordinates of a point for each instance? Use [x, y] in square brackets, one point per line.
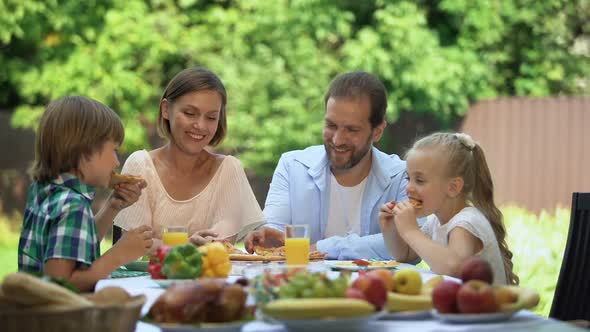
[277, 58]
[8, 236]
[537, 258]
[8, 244]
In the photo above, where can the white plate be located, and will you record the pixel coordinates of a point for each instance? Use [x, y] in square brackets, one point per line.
[325, 325]
[336, 267]
[474, 318]
[406, 315]
[165, 283]
[208, 327]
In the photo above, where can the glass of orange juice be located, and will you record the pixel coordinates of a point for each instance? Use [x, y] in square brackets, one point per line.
[174, 235]
[297, 244]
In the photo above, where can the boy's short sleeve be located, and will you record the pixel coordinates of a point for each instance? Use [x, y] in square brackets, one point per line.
[72, 235]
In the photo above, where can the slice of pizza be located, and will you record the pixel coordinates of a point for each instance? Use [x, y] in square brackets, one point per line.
[280, 251]
[316, 255]
[415, 203]
[231, 249]
[124, 178]
[264, 251]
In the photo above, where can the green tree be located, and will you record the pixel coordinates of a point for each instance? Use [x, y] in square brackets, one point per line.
[278, 57]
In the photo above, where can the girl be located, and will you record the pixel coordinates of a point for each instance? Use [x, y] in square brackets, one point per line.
[449, 176]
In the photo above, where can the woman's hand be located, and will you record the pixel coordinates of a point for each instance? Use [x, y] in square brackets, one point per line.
[203, 237]
[126, 194]
[405, 217]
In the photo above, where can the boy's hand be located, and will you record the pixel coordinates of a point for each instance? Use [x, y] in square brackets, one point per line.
[126, 194]
[135, 243]
[405, 217]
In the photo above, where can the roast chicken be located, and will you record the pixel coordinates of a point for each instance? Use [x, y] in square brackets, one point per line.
[204, 300]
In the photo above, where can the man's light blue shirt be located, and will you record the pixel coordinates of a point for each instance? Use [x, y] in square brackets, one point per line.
[300, 194]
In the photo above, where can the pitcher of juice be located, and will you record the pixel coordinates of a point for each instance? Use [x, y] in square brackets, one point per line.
[174, 235]
[297, 244]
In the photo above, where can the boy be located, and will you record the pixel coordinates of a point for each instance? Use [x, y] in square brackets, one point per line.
[75, 151]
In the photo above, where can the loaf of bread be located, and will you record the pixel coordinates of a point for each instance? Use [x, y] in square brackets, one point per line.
[25, 289]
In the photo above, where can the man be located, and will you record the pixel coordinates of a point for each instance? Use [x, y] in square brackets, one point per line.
[337, 188]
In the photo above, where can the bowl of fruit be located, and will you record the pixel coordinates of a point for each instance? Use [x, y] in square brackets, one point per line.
[305, 300]
[477, 300]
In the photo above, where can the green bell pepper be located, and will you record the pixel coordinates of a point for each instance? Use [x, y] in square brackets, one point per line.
[183, 262]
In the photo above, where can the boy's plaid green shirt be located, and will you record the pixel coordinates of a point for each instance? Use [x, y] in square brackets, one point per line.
[58, 223]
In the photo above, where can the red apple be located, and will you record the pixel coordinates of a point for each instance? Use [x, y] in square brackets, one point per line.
[476, 296]
[476, 268]
[386, 276]
[444, 297]
[353, 293]
[373, 288]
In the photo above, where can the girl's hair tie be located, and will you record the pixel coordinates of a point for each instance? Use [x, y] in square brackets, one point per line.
[466, 140]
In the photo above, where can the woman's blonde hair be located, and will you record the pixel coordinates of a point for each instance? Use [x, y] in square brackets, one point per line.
[70, 129]
[466, 159]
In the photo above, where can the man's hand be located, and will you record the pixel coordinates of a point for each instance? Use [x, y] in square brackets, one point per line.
[264, 237]
[203, 237]
[126, 194]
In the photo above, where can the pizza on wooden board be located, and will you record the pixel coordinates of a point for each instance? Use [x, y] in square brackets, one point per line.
[263, 253]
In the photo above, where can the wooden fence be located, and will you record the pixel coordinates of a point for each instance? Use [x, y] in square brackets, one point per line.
[538, 149]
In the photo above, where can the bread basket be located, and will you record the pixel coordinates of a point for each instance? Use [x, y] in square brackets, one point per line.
[30, 303]
[118, 317]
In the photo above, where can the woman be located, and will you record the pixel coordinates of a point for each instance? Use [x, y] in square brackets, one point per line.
[188, 184]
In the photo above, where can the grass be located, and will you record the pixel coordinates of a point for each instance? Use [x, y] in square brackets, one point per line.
[537, 243]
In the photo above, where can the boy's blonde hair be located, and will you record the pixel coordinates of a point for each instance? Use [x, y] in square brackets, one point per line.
[466, 159]
[72, 128]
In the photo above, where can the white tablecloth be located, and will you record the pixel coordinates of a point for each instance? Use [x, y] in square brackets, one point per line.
[523, 320]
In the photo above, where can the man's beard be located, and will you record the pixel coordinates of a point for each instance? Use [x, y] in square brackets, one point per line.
[356, 157]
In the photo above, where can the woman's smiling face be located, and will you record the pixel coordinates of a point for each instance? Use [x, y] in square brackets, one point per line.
[194, 118]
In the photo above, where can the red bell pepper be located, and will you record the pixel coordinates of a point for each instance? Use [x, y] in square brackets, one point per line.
[156, 261]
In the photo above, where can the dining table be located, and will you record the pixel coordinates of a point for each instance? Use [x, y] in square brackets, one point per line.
[523, 320]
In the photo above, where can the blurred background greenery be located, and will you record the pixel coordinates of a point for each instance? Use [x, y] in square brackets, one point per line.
[277, 58]
[436, 57]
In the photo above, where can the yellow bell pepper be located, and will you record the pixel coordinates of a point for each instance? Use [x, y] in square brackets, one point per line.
[216, 262]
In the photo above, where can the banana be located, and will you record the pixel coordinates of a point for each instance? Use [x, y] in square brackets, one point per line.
[403, 302]
[317, 308]
[522, 298]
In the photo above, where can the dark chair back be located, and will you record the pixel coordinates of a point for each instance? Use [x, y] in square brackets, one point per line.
[572, 294]
[117, 232]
